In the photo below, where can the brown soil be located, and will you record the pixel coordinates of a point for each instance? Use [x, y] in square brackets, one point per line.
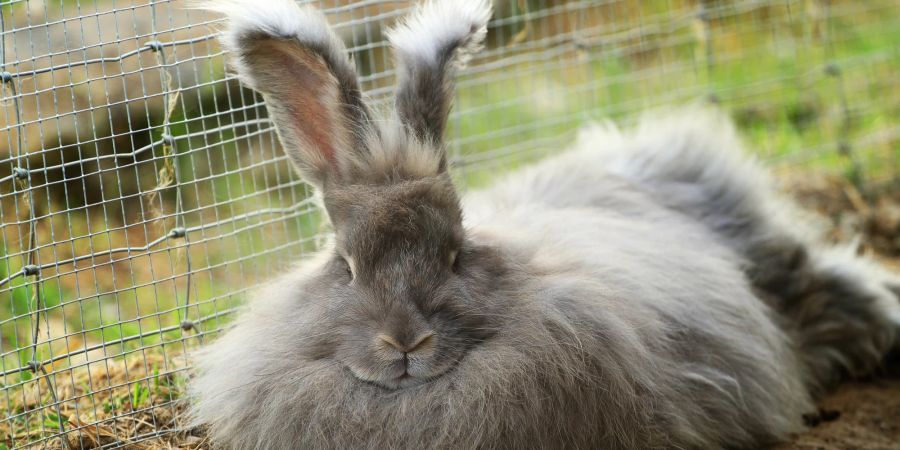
[862, 415]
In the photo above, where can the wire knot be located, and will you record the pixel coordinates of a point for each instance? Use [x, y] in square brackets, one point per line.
[20, 173]
[187, 325]
[35, 366]
[156, 46]
[5, 77]
[31, 270]
[176, 233]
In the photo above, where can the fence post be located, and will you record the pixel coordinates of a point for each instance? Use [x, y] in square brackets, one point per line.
[834, 71]
[703, 30]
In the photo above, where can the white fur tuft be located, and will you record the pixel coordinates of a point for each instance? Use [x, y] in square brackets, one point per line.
[436, 25]
[277, 18]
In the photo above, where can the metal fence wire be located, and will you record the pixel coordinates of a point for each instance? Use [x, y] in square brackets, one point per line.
[143, 193]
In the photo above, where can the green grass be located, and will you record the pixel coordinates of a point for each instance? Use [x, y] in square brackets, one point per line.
[774, 75]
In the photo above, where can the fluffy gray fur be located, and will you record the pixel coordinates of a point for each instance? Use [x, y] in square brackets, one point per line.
[643, 290]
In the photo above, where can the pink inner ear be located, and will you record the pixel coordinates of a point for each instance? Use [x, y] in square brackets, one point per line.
[313, 102]
[302, 84]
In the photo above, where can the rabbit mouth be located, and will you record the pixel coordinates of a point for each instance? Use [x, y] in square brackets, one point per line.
[404, 380]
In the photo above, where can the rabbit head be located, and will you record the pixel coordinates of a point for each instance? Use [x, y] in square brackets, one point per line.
[394, 288]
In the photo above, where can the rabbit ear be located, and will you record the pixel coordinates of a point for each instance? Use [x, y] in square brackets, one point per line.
[431, 45]
[302, 68]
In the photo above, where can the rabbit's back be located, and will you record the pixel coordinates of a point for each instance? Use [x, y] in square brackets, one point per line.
[689, 229]
[842, 310]
[704, 347]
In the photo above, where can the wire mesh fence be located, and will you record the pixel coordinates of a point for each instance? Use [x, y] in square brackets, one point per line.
[143, 194]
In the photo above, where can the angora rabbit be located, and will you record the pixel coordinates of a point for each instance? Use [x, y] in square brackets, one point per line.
[644, 290]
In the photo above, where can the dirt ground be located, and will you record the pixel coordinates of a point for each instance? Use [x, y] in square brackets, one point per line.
[862, 415]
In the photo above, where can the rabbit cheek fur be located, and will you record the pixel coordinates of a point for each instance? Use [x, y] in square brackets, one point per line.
[618, 296]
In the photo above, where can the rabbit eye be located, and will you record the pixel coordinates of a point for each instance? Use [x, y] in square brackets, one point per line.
[348, 267]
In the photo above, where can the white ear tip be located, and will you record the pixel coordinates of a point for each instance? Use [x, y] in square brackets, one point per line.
[281, 18]
[436, 24]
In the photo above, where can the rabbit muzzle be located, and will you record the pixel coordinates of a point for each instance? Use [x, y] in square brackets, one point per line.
[396, 363]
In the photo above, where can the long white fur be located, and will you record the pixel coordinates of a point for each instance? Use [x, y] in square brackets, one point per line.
[284, 18]
[436, 24]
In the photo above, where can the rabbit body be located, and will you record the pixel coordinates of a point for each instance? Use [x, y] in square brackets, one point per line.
[642, 290]
[617, 326]
[621, 322]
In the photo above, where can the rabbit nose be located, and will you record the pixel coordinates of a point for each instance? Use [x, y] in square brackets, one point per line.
[422, 341]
